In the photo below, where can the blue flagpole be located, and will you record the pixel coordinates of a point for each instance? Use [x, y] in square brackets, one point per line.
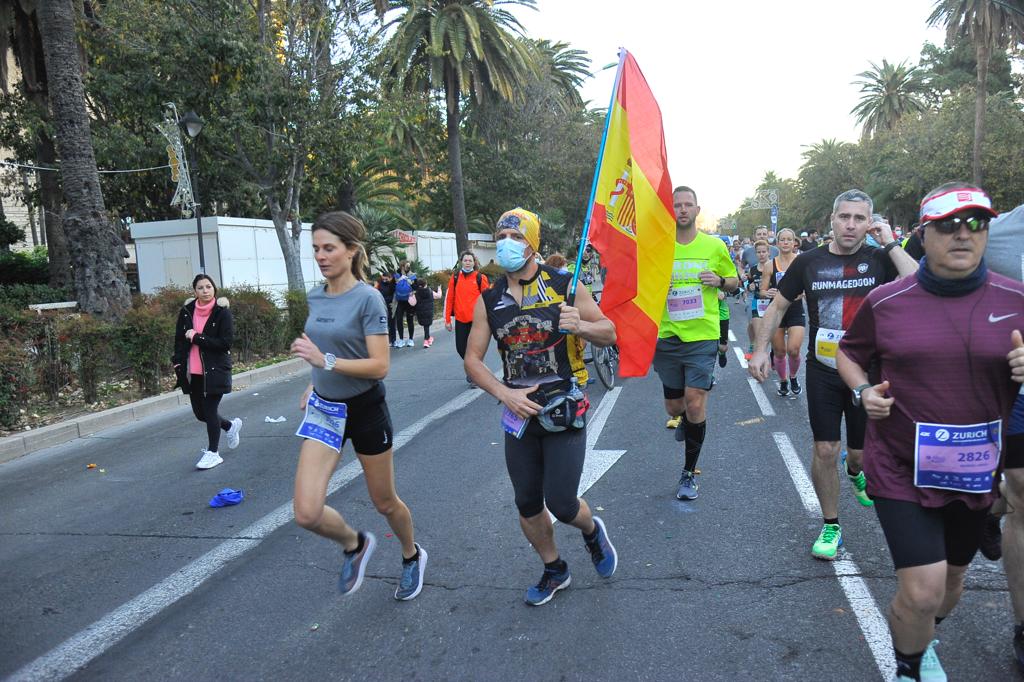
[593, 186]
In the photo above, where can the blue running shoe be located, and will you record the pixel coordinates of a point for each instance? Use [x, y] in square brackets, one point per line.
[412, 576]
[354, 565]
[552, 581]
[602, 553]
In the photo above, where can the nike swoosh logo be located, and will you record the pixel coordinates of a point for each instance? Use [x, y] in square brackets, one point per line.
[993, 318]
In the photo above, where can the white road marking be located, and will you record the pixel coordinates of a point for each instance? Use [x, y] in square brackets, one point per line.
[739, 356]
[760, 397]
[83, 647]
[872, 622]
[732, 337]
[597, 462]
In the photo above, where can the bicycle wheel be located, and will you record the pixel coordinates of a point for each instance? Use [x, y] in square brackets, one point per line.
[604, 367]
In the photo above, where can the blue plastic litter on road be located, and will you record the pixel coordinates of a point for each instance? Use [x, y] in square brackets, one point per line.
[227, 497]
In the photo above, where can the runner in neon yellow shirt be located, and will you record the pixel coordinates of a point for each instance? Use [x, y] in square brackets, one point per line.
[688, 336]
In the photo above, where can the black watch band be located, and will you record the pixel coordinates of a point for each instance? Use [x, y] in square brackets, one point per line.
[891, 245]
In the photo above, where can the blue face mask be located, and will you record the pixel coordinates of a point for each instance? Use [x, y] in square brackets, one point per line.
[510, 254]
[872, 241]
[467, 270]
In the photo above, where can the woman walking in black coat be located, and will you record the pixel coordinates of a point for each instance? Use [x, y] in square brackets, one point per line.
[202, 362]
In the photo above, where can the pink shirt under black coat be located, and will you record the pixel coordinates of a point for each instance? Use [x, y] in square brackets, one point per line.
[199, 318]
[922, 344]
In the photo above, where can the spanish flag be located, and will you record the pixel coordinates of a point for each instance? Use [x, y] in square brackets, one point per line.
[632, 223]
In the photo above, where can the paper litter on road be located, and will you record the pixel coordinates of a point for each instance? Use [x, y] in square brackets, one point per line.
[748, 422]
[272, 420]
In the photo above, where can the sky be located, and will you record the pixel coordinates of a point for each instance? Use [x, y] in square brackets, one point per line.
[743, 86]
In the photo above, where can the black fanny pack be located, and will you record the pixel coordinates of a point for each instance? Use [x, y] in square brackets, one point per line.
[564, 406]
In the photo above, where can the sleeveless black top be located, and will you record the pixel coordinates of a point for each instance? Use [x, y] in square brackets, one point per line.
[532, 349]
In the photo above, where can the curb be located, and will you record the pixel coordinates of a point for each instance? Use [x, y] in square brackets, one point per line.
[19, 445]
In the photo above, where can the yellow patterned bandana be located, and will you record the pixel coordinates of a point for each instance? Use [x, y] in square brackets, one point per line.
[526, 222]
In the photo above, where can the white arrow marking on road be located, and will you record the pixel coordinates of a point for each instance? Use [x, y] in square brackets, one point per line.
[598, 462]
[91, 642]
[870, 619]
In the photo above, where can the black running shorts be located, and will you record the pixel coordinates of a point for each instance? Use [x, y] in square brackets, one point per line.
[918, 536]
[368, 425]
[828, 402]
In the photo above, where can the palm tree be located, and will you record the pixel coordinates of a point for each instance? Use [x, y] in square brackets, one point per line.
[990, 25]
[465, 48]
[382, 246]
[564, 68]
[890, 91]
[97, 252]
[828, 169]
[19, 34]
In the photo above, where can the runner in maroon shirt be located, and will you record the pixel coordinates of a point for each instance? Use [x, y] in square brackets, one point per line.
[936, 346]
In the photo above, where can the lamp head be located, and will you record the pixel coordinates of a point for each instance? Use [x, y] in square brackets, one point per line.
[191, 124]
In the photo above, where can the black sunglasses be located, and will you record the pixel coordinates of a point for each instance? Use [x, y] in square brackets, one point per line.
[974, 223]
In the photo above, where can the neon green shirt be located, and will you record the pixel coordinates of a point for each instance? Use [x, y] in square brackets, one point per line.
[691, 310]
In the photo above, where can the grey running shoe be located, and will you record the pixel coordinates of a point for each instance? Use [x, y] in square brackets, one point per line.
[687, 486]
[412, 576]
[354, 565]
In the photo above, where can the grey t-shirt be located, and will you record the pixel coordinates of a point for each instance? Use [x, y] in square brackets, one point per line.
[1005, 251]
[340, 325]
[749, 256]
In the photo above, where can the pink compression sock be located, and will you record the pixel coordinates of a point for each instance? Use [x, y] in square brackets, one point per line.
[794, 365]
[780, 367]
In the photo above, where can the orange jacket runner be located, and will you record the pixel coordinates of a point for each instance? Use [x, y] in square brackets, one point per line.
[461, 296]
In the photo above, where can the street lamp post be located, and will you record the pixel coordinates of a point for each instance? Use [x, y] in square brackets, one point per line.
[192, 125]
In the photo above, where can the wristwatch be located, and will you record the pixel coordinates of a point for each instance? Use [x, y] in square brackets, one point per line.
[857, 392]
[329, 361]
[891, 245]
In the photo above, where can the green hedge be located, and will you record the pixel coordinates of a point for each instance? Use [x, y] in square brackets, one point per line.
[24, 267]
[43, 354]
[23, 295]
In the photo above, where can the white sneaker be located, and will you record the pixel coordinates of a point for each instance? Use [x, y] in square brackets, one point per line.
[209, 460]
[235, 433]
[410, 343]
[400, 343]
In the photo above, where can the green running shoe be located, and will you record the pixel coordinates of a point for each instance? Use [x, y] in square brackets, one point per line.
[860, 484]
[931, 669]
[828, 542]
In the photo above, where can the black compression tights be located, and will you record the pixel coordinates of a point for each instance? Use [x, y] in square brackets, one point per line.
[204, 407]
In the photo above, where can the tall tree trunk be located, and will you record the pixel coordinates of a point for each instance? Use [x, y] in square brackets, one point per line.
[451, 88]
[984, 54]
[53, 213]
[97, 251]
[291, 245]
[26, 192]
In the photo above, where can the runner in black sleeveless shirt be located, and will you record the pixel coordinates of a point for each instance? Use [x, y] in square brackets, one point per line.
[835, 281]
